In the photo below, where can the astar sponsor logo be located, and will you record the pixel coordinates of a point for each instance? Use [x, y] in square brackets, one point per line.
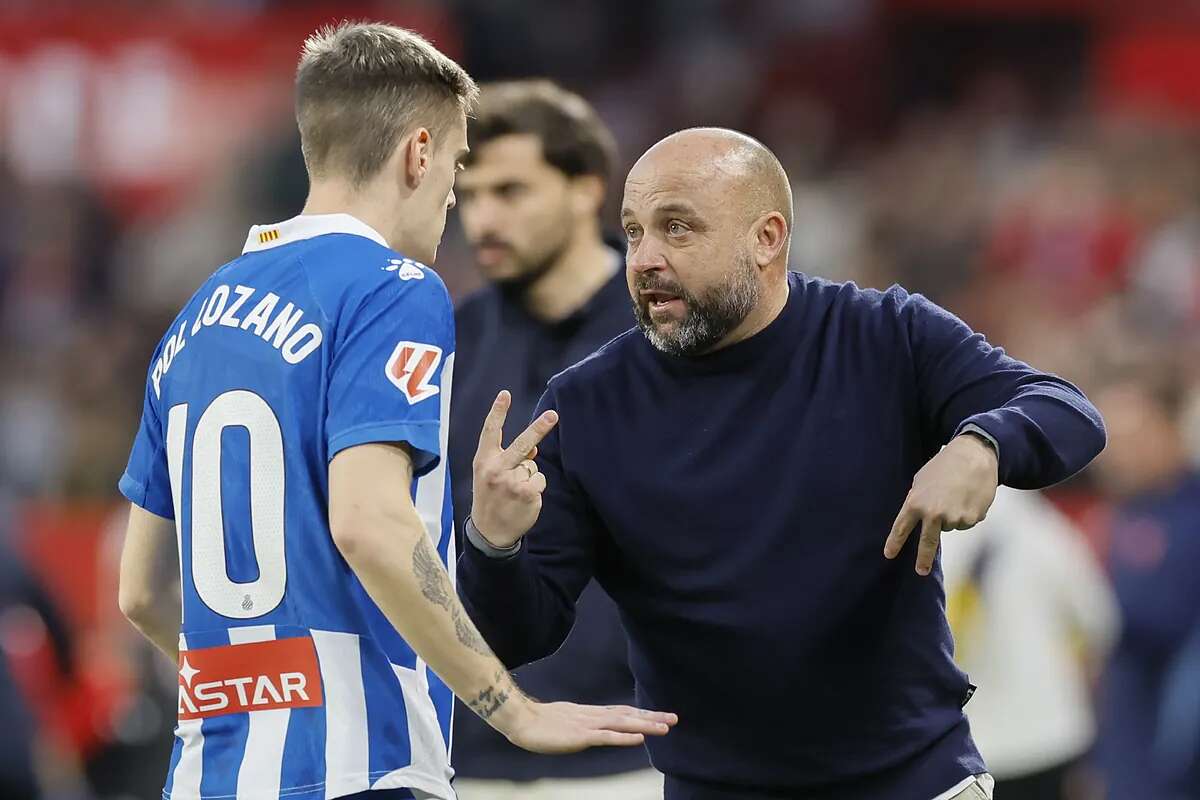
[411, 368]
[258, 676]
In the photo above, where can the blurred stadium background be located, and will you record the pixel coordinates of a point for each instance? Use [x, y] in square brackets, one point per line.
[1034, 165]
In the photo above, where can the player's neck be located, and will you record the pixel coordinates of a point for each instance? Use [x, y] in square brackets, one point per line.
[333, 198]
[577, 274]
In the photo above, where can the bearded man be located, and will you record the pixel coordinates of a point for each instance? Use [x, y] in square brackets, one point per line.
[743, 474]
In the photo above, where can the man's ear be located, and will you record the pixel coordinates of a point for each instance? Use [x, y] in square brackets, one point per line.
[587, 195]
[770, 238]
[417, 153]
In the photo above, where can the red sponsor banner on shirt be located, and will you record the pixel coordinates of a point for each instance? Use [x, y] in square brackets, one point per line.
[257, 676]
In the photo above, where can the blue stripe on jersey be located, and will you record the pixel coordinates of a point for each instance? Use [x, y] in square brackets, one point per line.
[170, 781]
[387, 713]
[304, 746]
[240, 563]
[224, 745]
[224, 736]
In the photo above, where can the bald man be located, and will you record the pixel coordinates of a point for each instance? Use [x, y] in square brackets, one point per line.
[759, 475]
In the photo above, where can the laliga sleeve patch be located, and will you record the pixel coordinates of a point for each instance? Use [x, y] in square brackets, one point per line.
[411, 367]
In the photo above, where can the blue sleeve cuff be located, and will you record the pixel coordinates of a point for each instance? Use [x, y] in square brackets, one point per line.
[135, 491]
[422, 439]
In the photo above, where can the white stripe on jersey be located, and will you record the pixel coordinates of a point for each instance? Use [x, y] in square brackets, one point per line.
[262, 760]
[429, 766]
[431, 497]
[431, 488]
[451, 558]
[429, 759]
[185, 783]
[347, 743]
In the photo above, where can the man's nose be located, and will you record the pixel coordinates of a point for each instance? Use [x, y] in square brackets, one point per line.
[645, 257]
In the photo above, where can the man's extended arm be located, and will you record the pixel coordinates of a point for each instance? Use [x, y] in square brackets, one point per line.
[524, 600]
[1044, 428]
[1001, 422]
[382, 538]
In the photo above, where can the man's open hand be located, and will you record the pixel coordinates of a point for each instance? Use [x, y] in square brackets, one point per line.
[507, 484]
[569, 728]
[952, 492]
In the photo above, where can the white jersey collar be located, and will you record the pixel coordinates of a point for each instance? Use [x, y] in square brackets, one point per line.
[307, 226]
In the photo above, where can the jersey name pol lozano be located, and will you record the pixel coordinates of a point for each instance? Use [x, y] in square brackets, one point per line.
[264, 317]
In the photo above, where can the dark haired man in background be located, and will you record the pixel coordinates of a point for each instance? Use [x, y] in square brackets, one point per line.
[1150, 700]
[530, 200]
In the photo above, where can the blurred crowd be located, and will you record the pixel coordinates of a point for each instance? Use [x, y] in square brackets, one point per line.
[1064, 229]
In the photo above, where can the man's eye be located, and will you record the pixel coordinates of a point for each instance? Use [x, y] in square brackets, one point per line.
[676, 228]
[632, 231]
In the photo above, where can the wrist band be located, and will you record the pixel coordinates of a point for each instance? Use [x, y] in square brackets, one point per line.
[476, 538]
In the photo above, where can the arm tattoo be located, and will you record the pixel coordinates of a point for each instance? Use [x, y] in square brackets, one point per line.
[468, 634]
[428, 569]
[489, 701]
[435, 585]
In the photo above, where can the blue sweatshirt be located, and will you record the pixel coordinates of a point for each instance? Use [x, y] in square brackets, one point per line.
[501, 346]
[735, 507]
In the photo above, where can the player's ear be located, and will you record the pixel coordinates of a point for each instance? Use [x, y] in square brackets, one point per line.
[587, 195]
[770, 235]
[417, 149]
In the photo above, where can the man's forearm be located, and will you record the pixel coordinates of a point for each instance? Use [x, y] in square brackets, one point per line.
[404, 576]
[523, 617]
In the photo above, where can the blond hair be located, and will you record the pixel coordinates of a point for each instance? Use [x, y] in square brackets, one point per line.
[360, 86]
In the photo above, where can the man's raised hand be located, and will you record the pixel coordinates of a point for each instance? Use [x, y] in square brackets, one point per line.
[507, 485]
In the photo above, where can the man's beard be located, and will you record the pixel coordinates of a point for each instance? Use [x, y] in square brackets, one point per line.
[710, 316]
[530, 272]
[531, 268]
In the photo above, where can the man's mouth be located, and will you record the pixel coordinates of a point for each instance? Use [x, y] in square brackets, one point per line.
[489, 253]
[661, 301]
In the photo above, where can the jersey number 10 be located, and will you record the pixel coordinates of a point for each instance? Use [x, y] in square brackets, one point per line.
[265, 484]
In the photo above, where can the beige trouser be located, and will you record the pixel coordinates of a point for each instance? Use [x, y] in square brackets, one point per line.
[980, 790]
[644, 784]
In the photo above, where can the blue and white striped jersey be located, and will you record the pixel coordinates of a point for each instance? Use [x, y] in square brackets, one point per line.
[292, 682]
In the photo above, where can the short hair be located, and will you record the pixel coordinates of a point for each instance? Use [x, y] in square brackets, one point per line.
[360, 86]
[574, 139]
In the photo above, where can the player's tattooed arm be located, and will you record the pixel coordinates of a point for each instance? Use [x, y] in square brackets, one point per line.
[435, 586]
[491, 699]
